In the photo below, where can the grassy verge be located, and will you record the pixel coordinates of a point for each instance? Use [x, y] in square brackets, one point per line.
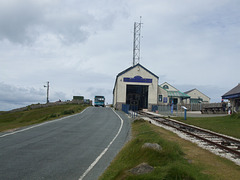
[179, 159]
[34, 116]
[229, 125]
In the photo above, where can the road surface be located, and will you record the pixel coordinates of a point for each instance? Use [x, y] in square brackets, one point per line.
[77, 147]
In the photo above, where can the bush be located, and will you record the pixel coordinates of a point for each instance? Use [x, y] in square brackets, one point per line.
[53, 115]
[69, 111]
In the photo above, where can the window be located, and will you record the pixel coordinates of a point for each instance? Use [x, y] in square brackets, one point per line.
[165, 87]
[165, 99]
[160, 98]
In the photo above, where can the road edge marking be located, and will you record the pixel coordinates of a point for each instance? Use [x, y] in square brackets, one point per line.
[34, 126]
[105, 150]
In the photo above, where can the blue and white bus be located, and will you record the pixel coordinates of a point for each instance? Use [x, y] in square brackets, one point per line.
[99, 101]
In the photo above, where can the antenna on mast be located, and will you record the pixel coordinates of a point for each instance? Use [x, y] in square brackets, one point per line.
[136, 42]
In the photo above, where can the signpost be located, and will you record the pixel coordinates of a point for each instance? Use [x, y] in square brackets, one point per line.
[185, 112]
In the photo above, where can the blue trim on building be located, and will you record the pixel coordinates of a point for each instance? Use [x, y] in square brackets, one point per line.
[231, 96]
[137, 79]
[130, 68]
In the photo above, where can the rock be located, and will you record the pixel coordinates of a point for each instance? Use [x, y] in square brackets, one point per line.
[153, 146]
[142, 169]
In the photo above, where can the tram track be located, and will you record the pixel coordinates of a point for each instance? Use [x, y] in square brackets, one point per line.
[226, 144]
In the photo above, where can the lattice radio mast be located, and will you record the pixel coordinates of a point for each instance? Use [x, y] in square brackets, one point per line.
[136, 42]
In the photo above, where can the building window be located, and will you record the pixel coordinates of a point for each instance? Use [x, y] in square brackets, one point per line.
[165, 87]
[165, 99]
[160, 98]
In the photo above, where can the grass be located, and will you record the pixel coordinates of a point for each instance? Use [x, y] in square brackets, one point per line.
[170, 163]
[229, 125]
[33, 116]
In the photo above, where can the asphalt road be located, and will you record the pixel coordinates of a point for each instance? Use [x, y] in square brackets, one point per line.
[77, 147]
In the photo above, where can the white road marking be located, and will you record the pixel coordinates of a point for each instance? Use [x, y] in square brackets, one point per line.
[22, 130]
[104, 151]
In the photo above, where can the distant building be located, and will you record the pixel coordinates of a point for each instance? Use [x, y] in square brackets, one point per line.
[234, 97]
[137, 88]
[78, 98]
[196, 96]
[168, 94]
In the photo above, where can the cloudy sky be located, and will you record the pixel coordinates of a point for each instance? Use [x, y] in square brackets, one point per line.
[79, 46]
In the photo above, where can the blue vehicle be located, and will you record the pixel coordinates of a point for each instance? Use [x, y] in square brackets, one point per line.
[99, 101]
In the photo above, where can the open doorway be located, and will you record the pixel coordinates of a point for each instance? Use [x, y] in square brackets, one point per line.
[137, 96]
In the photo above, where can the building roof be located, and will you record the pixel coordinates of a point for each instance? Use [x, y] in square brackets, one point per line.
[177, 94]
[130, 68]
[161, 85]
[197, 90]
[189, 91]
[233, 93]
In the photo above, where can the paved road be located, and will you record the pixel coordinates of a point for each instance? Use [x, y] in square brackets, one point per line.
[64, 148]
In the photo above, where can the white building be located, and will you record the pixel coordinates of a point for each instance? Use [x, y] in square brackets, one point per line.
[170, 95]
[136, 86]
[196, 96]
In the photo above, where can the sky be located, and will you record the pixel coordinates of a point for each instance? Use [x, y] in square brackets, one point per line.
[79, 46]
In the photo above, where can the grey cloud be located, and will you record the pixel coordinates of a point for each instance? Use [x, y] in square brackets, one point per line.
[25, 21]
[13, 94]
[16, 19]
[14, 97]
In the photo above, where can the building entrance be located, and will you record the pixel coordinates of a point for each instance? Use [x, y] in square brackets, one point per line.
[137, 97]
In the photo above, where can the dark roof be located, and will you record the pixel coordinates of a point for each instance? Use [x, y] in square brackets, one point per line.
[189, 91]
[233, 93]
[130, 68]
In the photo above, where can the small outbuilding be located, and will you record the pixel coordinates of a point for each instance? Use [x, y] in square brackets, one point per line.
[135, 86]
[171, 94]
[234, 97]
[196, 97]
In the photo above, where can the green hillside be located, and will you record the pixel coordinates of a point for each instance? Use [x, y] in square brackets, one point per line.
[13, 120]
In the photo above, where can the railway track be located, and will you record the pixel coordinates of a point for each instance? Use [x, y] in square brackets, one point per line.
[224, 143]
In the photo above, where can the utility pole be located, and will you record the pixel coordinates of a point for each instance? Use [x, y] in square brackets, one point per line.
[136, 42]
[47, 86]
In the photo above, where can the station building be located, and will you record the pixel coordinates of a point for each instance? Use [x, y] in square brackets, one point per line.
[137, 86]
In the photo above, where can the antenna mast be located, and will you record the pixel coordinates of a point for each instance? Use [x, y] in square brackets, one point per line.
[136, 42]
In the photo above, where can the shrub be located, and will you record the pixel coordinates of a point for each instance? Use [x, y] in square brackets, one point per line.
[69, 111]
[53, 115]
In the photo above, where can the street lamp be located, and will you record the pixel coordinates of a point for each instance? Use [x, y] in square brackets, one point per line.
[47, 86]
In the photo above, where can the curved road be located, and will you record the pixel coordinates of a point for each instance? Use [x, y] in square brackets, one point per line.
[80, 146]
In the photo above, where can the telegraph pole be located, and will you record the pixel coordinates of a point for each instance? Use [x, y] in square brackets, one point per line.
[47, 86]
[136, 42]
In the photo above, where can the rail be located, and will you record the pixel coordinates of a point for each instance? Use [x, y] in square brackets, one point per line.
[225, 143]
